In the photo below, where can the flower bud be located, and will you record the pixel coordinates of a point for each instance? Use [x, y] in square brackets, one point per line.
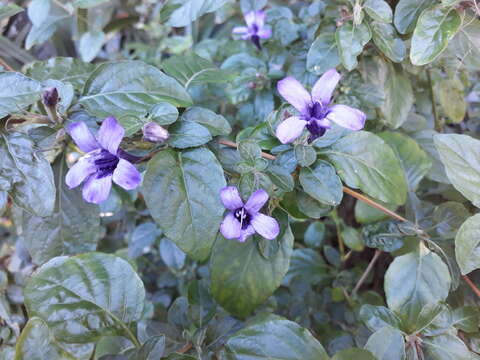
[154, 133]
[50, 97]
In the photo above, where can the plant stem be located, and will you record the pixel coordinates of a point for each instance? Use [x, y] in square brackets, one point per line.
[367, 271]
[5, 65]
[470, 283]
[338, 226]
[438, 122]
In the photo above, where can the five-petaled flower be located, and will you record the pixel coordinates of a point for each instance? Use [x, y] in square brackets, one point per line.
[316, 113]
[255, 29]
[244, 220]
[102, 162]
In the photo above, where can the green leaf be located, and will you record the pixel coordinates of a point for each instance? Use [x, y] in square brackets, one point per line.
[152, 349]
[415, 280]
[435, 28]
[451, 94]
[85, 4]
[182, 191]
[323, 54]
[185, 134]
[354, 353]
[17, 92]
[448, 218]
[466, 318]
[387, 40]
[424, 138]
[315, 234]
[398, 97]
[378, 317]
[308, 266]
[350, 42]
[129, 87]
[143, 236]
[90, 44]
[445, 347]
[378, 10]
[281, 177]
[85, 297]
[459, 154]
[162, 113]
[273, 337]
[190, 10]
[7, 10]
[191, 69]
[171, 254]
[216, 124]
[386, 344]
[352, 238]
[37, 343]
[407, 12]
[26, 174]
[242, 278]
[61, 68]
[466, 44]
[414, 160]
[377, 171]
[305, 155]
[321, 182]
[365, 214]
[467, 245]
[73, 228]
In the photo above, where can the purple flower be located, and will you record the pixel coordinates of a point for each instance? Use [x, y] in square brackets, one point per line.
[255, 29]
[316, 113]
[244, 220]
[102, 163]
[154, 133]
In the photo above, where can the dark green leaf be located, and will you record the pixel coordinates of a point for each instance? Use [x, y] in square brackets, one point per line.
[321, 182]
[460, 154]
[242, 278]
[191, 69]
[85, 297]
[185, 134]
[379, 10]
[281, 177]
[73, 228]
[467, 245]
[306, 265]
[378, 317]
[323, 54]
[273, 337]
[142, 237]
[350, 41]
[445, 347]
[17, 92]
[129, 88]
[182, 191]
[413, 159]
[375, 171]
[407, 12]
[386, 344]
[354, 353]
[191, 10]
[387, 40]
[435, 28]
[305, 155]
[216, 124]
[171, 254]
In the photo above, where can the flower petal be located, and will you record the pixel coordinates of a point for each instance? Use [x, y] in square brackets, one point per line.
[245, 233]
[231, 198]
[294, 92]
[96, 190]
[347, 117]
[264, 33]
[323, 89]
[255, 18]
[230, 227]
[82, 136]
[82, 169]
[239, 30]
[110, 134]
[126, 175]
[290, 129]
[266, 226]
[256, 201]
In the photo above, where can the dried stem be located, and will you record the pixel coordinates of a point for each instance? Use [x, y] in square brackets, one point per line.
[5, 65]
[470, 283]
[185, 348]
[367, 271]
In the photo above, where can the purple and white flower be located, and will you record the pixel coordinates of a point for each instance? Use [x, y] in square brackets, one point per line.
[244, 220]
[316, 112]
[103, 162]
[255, 29]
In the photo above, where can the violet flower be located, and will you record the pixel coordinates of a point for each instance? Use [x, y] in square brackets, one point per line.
[316, 113]
[255, 29]
[244, 220]
[102, 163]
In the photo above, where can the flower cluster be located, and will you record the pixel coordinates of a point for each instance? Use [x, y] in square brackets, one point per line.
[255, 29]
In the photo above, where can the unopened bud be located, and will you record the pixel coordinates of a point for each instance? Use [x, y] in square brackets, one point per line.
[154, 133]
[50, 97]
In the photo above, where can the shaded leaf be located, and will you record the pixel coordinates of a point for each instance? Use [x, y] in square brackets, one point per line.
[17, 92]
[467, 245]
